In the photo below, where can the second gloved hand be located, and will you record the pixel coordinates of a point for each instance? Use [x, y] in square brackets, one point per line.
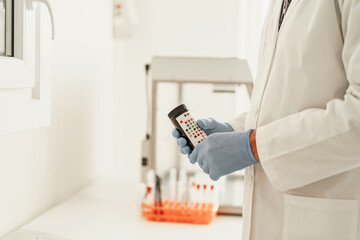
[209, 126]
[223, 153]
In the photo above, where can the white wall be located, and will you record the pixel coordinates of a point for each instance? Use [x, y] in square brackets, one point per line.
[168, 28]
[41, 167]
[252, 15]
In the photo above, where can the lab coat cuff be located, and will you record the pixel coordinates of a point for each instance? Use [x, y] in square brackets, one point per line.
[248, 148]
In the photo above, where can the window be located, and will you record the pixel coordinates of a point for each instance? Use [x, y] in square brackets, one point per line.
[24, 69]
[6, 27]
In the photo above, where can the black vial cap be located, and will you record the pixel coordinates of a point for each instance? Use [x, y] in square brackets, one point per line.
[177, 111]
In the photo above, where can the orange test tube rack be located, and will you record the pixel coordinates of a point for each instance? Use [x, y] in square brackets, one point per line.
[194, 213]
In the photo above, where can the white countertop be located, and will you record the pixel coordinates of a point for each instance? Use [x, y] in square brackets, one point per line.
[108, 210]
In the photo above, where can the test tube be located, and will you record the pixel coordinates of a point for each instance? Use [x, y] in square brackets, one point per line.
[190, 191]
[181, 186]
[150, 181]
[172, 185]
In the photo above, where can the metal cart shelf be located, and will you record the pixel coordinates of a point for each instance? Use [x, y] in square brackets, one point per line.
[191, 70]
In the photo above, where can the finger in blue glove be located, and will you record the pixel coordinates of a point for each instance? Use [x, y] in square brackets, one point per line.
[184, 148]
[181, 141]
[175, 133]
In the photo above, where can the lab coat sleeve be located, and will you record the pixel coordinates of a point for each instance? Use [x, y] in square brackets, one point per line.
[238, 123]
[315, 144]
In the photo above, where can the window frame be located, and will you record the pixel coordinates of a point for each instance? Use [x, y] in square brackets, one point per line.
[18, 71]
[27, 69]
[7, 5]
[9, 33]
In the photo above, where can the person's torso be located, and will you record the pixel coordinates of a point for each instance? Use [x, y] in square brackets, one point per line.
[300, 67]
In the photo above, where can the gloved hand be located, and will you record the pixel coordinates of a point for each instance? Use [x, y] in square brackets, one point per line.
[209, 125]
[224, 153]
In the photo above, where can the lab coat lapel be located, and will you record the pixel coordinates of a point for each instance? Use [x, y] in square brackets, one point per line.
[269, 42]
[292, 6]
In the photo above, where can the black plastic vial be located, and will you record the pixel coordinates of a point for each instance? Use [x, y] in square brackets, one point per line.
[183, 121]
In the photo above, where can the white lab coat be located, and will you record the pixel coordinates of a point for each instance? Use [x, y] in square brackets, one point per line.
[306, 109]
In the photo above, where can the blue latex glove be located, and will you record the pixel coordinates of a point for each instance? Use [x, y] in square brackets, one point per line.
[223, 153]
[209, 125]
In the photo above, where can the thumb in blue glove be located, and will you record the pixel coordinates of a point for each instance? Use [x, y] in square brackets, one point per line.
[223, 153]
[210, 126]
